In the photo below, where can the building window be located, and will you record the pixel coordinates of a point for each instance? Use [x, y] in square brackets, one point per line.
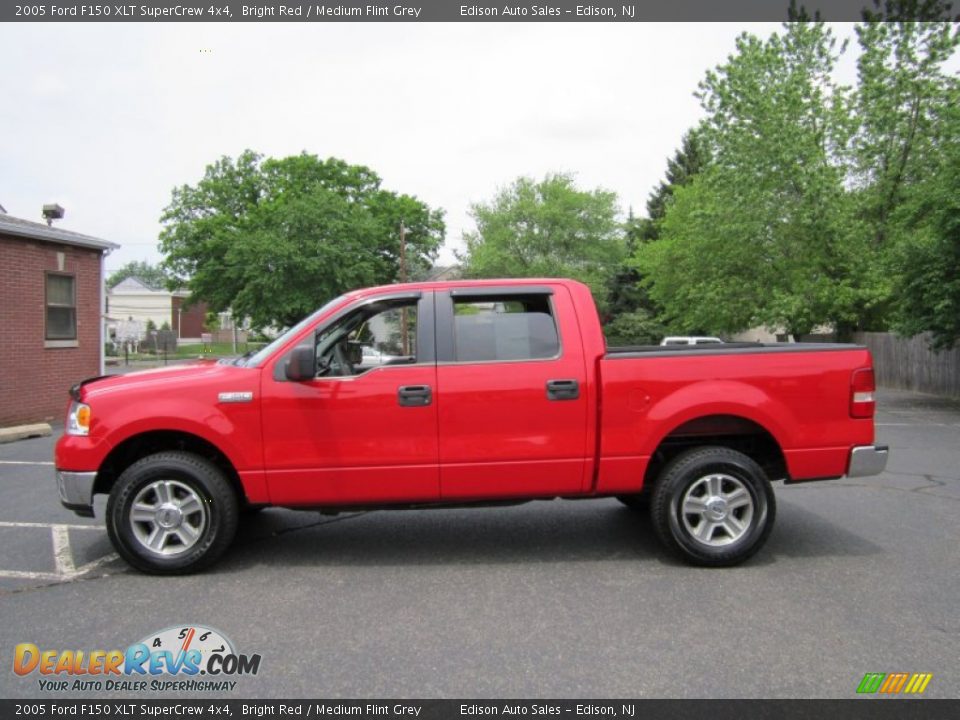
[61, 307]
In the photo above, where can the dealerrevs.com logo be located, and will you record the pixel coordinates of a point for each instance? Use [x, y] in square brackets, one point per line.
[177, 659]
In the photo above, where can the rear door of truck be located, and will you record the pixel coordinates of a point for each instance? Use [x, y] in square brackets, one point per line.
[512, 402]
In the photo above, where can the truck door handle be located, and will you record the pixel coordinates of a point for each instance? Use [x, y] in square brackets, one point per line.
[414, 395]
[563, 390]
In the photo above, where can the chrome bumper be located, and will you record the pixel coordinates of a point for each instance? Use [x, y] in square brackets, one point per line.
[76, 491]
[867, 460]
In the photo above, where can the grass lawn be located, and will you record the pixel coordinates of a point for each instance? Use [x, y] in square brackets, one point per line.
[216, 350]
[195, 350]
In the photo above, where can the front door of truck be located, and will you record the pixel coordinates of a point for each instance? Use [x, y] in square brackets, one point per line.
[512, 398]
[364, 428]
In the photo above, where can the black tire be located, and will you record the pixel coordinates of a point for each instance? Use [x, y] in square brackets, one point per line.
[190, 508]
[738, 506]
[639, 502]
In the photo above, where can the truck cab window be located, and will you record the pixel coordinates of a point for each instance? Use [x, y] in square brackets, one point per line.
[373, 336]
[512, 327]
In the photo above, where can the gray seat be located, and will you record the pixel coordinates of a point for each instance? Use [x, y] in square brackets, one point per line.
[505, 336]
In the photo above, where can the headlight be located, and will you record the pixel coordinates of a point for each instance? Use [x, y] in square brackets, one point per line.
[78, 419]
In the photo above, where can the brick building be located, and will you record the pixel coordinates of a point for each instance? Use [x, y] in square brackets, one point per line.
[51, 305]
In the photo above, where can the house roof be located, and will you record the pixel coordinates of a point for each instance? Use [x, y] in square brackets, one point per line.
[134, 285]
[10, 225]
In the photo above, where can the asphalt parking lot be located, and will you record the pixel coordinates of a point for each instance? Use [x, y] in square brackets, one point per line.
[549, 599]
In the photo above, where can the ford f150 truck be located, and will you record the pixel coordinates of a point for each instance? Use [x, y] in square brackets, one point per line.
[464, 393]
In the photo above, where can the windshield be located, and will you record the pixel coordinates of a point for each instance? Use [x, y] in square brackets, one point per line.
[264, 353]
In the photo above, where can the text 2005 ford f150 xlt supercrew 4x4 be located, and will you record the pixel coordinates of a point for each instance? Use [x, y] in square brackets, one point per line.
[461, 393]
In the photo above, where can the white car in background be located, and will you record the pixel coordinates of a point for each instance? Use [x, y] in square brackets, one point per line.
[371, 357]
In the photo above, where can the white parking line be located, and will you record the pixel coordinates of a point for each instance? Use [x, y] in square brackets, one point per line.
[24, 462]
[24, 575]
[82, 570]
[62, 554]
[50, 525]
[61, 550]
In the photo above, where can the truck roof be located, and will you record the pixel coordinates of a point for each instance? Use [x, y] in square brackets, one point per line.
[451, 284]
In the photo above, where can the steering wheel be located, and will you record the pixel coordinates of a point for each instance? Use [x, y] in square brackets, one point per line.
[323, 365]
[346, 367]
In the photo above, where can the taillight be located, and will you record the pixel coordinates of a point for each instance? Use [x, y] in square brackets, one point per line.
[863, 399]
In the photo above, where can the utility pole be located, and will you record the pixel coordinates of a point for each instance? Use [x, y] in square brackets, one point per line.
[404, 337]
[403, 252]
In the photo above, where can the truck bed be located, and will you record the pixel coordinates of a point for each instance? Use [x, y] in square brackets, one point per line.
[796, 396]
[731, 348]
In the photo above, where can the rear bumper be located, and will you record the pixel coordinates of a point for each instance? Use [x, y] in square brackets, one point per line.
[76, 491]
[867, 460]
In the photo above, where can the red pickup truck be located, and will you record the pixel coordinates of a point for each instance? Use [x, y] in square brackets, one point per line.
[465, 393]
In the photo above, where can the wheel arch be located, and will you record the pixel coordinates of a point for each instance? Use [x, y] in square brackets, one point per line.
[138, 446]
[730, 430]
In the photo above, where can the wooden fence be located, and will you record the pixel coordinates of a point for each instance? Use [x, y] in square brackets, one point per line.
[910, 364]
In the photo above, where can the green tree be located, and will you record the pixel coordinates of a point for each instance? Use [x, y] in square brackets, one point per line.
[763, 234]
[272, 239]
[153, 275]
[546, 228]
[904, 103]
[926, 251]
[636, 327]
[211, 321]
[632, 316]
[687, 162]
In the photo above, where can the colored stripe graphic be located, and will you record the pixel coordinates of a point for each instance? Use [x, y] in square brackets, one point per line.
[871, 682]
[918, 683]
[894, 683]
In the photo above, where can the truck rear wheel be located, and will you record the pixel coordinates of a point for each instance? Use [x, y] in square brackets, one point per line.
[172, 513]
[714, 506]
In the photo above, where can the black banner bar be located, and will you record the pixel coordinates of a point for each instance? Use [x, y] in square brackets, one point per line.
[458, 11]
[862, 709]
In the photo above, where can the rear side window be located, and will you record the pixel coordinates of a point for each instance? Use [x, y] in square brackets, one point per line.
[512, 327]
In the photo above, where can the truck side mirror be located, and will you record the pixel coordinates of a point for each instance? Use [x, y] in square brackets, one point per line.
[302, 364]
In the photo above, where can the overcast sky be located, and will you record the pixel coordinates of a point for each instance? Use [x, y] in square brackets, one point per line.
[107, 119]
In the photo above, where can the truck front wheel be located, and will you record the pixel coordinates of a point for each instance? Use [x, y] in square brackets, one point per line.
[172, 513]
[714, 506]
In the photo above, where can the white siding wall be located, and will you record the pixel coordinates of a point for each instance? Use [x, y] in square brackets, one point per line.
[141, 307]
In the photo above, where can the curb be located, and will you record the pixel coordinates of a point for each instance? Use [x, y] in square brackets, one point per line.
[21, 432]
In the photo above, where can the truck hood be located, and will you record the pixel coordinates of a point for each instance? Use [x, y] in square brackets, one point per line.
[164, 379]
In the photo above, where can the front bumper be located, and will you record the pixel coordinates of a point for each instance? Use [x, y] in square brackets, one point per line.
[76, 491]
[867, 460]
